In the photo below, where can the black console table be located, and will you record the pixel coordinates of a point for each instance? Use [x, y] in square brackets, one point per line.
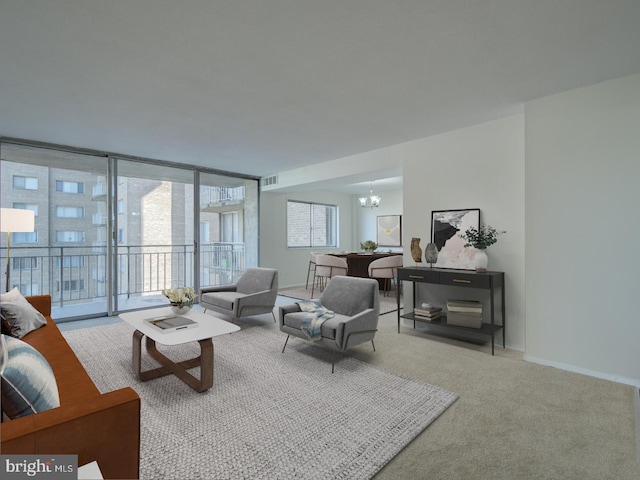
[456, 278]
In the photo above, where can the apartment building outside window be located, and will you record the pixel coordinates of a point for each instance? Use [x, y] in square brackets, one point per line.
[70, 236]
[27, 206]
[25, 183]
[69, 187]
[70, 212]
[24, 263]
[24, 237]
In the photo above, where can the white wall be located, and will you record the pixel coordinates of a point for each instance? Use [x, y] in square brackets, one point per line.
[292, 262]
[476, 167]
[582, 229]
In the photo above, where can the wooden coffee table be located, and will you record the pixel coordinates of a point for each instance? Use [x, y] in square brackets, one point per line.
[208, 327]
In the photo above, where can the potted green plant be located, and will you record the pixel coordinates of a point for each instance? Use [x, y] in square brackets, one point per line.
[368, 246]
[480, 240]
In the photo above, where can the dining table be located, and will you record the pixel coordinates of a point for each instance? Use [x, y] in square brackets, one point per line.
[358, 263]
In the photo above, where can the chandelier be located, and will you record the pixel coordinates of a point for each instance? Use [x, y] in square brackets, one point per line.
[371, 201]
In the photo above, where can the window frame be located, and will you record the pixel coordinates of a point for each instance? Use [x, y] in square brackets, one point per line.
[332, 235]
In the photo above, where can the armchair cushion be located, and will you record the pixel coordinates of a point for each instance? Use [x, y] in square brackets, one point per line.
[223, 299]
[329, 326]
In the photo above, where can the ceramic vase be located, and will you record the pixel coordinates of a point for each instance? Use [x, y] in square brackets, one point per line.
[416, 251]
[431, 253]
[180, 309]
[481, 261]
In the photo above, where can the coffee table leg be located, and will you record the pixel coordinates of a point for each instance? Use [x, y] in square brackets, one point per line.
[137, 354]
[206, 363]
[179, 369]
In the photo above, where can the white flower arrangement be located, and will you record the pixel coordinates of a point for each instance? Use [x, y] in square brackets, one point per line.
[180, 297]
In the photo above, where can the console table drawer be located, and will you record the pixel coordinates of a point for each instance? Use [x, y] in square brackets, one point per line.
[419, 275]
[465, 280]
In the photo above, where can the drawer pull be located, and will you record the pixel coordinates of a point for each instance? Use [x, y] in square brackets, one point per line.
[416, 276]
[457, 280]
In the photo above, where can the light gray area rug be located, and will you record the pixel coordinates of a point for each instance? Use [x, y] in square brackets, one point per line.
[269, 415]
[387, 304]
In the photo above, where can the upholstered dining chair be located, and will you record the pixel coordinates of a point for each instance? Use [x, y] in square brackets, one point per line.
[327, 266]
[386, 268]
[355, 304]
[311, 267]
[255, 292]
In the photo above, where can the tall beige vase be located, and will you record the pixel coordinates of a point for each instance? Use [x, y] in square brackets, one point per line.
[416, 251]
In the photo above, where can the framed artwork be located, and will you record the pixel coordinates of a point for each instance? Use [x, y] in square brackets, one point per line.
[446, 225]
[389, 228]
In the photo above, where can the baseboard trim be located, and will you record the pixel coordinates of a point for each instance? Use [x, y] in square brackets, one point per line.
[634, 382]
[637, 403]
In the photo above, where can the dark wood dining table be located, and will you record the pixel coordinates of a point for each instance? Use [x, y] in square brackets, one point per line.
[358, 263]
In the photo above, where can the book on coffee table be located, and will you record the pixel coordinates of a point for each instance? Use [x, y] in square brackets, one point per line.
[171, 323]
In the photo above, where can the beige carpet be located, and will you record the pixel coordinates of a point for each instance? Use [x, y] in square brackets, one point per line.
[387, 304]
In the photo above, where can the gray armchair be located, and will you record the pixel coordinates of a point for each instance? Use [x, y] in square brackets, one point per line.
[255, 292]
[356, 305]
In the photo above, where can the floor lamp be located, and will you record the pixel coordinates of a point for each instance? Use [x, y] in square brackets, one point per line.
[15, 220]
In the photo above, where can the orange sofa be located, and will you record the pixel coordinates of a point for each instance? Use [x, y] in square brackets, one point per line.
[96, 427]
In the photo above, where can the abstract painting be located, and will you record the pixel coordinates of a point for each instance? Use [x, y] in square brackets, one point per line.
[446, 225]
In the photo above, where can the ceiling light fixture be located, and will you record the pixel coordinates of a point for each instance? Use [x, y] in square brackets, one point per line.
[372, 201]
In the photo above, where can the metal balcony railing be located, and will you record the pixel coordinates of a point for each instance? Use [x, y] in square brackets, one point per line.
[78, 276]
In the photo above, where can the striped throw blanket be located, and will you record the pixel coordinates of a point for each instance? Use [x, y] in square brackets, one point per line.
[312, 323]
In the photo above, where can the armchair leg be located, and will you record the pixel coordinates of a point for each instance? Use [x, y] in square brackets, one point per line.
[373, 345]
[333, 361]
[285, 343]
[274, 316]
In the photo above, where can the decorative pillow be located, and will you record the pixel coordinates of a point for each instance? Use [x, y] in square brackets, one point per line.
[19, 314]
[6, 327]
[28, 383]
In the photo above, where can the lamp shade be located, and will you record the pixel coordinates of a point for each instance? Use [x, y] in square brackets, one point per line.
[16, 220]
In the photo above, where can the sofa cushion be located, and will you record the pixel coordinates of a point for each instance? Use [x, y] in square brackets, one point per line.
[19, 314]
[28, 383]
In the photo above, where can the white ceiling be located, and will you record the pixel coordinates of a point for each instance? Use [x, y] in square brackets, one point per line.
[263, 86]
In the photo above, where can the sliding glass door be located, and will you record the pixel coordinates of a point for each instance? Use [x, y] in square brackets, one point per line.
[112, 232]
[65, 255]
[228, 220]
[155, 235]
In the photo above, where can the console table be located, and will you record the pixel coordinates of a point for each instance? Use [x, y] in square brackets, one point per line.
[460, 279]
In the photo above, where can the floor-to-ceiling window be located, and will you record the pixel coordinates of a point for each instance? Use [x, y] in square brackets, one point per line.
[228, 219]
[113, 232]
[155, 242]
[62, 256]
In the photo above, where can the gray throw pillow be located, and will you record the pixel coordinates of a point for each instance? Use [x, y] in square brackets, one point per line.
[19, 314]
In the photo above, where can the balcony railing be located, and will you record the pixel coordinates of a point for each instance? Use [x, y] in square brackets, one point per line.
[77, 276]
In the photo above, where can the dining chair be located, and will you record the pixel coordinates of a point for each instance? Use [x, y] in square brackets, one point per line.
[311, 267]
[386, 268]
[327, 266]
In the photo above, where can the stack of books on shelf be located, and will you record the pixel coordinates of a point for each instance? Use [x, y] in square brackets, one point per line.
[427, 313]
[464, 313]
